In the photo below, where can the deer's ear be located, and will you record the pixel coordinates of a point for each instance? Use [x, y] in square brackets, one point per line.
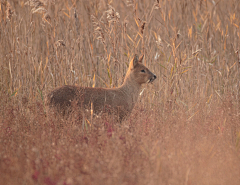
[141, 59]
[135, 60]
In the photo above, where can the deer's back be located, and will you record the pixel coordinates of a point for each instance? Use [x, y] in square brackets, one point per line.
[98, 99]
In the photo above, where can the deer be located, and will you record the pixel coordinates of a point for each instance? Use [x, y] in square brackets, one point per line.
[119, 101]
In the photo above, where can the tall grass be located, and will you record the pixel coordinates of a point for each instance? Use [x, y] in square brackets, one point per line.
[185, 129]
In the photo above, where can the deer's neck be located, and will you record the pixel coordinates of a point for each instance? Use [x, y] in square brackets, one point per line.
[131, 89]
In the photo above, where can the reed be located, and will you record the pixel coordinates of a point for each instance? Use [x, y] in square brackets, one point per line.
[184, 128]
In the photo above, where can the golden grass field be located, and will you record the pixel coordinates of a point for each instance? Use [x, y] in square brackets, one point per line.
[185, 128]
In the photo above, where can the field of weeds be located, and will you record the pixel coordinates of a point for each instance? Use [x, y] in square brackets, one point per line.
[185, 128]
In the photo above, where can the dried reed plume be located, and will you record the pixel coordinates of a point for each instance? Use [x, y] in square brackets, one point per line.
[9, 10]
[112, 15]
[40, 6]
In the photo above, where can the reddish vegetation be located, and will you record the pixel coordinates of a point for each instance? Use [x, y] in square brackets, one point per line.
[185, 127]
[139, 151]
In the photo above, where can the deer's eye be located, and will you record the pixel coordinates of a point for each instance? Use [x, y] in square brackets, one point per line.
[143, 71]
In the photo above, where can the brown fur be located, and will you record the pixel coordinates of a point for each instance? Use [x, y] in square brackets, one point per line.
[119, 100]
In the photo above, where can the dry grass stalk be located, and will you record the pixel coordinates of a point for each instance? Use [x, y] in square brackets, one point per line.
[184, 129]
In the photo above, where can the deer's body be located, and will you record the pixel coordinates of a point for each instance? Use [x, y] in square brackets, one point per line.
[119, 101]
